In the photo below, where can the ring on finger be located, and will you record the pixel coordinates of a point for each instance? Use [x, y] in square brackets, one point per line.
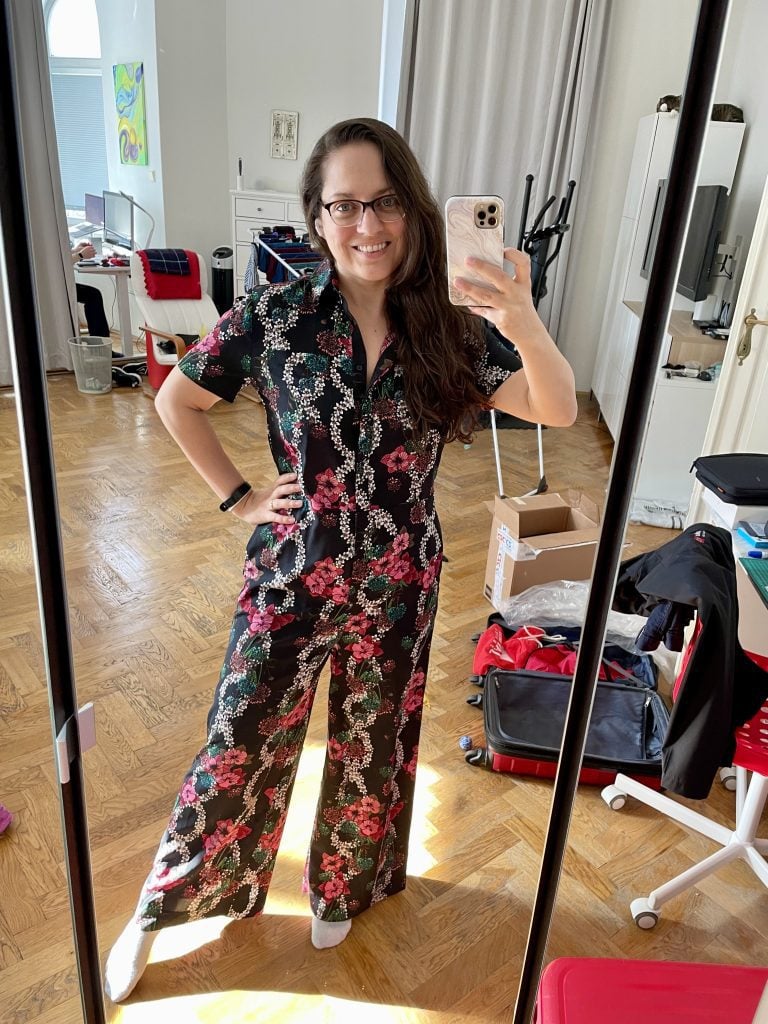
[271, 504]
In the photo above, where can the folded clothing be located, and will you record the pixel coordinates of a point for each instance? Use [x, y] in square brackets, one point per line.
[171, 273]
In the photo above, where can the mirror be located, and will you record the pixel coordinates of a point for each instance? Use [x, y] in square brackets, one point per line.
[151, 574]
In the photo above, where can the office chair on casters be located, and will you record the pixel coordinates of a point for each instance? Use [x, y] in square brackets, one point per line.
[739, 842]
[172, 323]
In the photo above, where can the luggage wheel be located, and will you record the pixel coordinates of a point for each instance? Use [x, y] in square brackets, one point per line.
[476, 700]
[477, 680]
[478, 757]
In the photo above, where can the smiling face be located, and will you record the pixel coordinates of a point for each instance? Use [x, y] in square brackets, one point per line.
[371, 251]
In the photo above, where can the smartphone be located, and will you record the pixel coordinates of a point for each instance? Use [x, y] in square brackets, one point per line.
[474, 226]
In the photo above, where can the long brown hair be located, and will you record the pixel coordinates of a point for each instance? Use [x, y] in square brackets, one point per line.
[436, 340]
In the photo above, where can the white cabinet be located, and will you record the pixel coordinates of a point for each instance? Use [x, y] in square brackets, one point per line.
[650, 163]
[686, 401]
[259, 209]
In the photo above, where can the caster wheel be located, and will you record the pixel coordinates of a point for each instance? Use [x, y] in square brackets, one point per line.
[476, 700]
[643, 913]
[475, 637]
[476, 757]
[614, 797]
[728, 779]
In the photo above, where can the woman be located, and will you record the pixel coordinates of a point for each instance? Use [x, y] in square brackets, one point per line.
[365, 371]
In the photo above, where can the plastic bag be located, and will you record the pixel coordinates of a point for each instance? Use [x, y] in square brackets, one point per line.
[564, 603]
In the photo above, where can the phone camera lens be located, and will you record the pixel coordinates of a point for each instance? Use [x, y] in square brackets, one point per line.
[492, 208]
[492, 222]
[481, 214]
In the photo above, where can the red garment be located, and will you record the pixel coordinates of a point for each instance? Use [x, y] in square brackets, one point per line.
[493, 650]
[172, 286]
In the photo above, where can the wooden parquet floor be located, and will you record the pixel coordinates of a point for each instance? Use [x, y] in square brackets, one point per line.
[152, 573]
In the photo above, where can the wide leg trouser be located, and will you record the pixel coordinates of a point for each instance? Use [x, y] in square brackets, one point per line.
[218, 852]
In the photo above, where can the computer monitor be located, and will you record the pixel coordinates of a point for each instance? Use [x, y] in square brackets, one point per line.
[94, 209]
[118, 220]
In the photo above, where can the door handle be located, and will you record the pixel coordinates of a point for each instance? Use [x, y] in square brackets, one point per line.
[745, 344]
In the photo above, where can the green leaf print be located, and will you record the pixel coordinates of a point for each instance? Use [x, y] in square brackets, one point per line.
[395, 612]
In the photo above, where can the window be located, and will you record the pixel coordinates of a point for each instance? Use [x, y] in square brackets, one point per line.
[74, 47]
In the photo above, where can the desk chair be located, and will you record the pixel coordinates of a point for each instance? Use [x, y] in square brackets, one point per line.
[177, 321]
[739, 842]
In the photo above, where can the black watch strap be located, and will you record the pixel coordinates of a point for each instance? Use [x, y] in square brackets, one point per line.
[235, 496]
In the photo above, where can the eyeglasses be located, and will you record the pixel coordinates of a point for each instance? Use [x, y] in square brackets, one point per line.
[348, 212]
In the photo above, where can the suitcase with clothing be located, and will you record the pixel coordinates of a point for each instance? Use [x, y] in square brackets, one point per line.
[524, 710]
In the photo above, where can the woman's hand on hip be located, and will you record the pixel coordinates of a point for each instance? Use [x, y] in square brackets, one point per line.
[273, 504]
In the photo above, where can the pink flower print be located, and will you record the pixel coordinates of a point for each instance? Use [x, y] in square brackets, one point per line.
[226, 832]
[229, 778]
[251, 571]
[401, 542]
[340, 592]
[259, 621]
[299, 712]
[189, 794]
[364, 648]
[398, 461]
[292, 453]
[414, 694]
[371, 827]
[336, 750]
[370, 805]
[210, 344]
[271, 840]
[430, 573]
[358, 623]
[283, 530]
[418, 512]
[394, 810]
[322, 577]
[334, 888]
[332, 863]
[329, 491]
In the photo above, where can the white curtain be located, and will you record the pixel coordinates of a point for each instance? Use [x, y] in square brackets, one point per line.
[57, 308]
[500, 89]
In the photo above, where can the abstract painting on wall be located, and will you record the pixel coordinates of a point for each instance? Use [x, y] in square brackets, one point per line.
[131, 114]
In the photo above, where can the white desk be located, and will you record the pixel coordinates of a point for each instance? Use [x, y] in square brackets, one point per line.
[120, 275]
[753, 614]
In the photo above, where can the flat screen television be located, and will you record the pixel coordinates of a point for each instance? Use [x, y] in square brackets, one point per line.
[702, 240]
[118, 220]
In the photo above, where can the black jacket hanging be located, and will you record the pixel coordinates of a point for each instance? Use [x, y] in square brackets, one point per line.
[721, 687]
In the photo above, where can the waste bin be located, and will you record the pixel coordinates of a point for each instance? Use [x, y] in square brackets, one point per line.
[92, 361]
[222, 281]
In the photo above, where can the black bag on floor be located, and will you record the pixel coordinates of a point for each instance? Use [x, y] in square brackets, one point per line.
[738, 478]
[524, 716]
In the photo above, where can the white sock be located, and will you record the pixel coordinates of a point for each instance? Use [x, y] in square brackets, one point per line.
[329, 933]
[127, 960]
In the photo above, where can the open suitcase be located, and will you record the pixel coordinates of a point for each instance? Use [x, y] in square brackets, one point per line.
[524, 716]
[605, 991]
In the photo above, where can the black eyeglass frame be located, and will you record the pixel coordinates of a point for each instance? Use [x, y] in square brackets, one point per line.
[364, 204]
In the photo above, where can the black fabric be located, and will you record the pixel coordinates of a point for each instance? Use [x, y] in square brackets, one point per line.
[721, 687]
[525, 716]
[93, 305]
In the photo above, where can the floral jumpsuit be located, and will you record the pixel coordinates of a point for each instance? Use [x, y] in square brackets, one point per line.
[355, 579]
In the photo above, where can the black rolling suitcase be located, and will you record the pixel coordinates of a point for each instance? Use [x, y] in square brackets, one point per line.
[524, 715]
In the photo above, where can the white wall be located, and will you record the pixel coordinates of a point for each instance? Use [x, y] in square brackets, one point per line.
[646, 56]
[192, 85]
[321, 59]
[127, 30]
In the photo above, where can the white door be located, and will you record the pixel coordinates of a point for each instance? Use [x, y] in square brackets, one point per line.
[739, 420]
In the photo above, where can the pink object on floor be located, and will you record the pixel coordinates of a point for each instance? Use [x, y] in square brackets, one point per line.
[5, 818]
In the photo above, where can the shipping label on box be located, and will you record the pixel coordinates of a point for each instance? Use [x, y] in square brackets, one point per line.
[539, 539]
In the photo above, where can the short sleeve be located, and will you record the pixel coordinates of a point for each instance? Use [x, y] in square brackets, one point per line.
[495, 360]
[228, 358]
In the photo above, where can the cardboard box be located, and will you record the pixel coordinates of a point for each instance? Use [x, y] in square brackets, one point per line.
[538, 539]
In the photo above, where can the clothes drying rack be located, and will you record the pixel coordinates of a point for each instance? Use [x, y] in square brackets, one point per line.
[536, 241]
[295, 269]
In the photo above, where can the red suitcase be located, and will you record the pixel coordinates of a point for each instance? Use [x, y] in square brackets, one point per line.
[601, 991]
